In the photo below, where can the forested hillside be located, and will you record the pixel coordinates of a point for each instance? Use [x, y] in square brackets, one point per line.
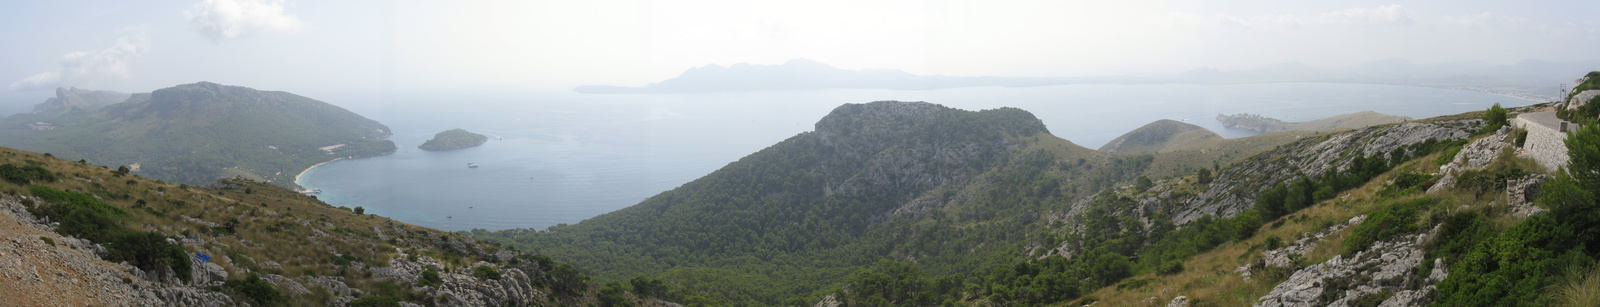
[198, 133]
[916, 204]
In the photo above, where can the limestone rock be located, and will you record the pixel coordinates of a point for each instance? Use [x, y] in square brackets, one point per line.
[1522, 192]
[1236, 188]
[827, 301]
[1339, 281]
[1180, 301]
[1475, 155]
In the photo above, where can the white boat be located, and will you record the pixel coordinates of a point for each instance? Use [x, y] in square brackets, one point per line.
[470, 165]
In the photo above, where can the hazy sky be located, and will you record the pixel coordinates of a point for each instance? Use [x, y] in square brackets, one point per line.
[359, 46]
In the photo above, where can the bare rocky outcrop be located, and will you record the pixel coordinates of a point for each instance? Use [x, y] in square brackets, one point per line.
[460, 288]
[1386, 267]
[1474, 156]
[67, 271]
[1581, 98]
[1238, 185]
[1522, 192]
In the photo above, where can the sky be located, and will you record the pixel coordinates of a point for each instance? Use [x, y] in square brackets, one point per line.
[355, 47]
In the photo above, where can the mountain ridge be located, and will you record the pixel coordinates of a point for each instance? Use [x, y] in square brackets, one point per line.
[200, 132]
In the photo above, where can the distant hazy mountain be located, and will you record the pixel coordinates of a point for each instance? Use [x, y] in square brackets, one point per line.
[805, 74]
[67, 100]
[198, 133]
[1529, 78]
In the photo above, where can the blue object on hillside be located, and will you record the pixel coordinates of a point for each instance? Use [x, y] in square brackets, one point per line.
[202, 256]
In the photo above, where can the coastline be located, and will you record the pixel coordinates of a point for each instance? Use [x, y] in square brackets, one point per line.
[308, 169]
[313, 166]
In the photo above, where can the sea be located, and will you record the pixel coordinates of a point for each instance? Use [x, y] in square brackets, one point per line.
[559, 157]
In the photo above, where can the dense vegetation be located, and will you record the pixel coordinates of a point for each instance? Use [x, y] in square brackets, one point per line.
[453, 139]
[761, 231]
[197, 133]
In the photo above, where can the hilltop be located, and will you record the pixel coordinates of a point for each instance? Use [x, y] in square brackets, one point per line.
[198, 133]
[453, 139]
[1159, 136]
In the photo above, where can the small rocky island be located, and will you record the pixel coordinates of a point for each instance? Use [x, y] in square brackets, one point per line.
[453, 139]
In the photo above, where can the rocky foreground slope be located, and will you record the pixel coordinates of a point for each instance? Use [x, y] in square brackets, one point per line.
[73, 233]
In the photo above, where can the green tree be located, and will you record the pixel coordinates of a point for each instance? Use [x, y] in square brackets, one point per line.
[1204, 176]
[1494, 118]
[359, 210]
[568, 279]
[1570, 196]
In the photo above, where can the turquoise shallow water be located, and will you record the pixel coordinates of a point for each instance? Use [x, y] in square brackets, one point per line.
[560, 157]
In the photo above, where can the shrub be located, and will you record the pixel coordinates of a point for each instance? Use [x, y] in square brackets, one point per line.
[374, 301]
[1386, 223]
[254, 289]
[485, 272]
[430, 277]
[25, 174]
[1172, 267]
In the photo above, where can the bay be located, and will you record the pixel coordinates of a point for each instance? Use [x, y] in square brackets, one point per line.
[559, 157]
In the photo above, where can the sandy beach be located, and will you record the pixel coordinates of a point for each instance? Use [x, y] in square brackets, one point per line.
[308, 169]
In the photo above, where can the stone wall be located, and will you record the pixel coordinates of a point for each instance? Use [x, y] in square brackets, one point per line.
[1545, 145]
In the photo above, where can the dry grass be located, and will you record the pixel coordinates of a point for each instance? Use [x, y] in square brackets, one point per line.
[1220, 151]
[1580, 289]
[297, 232]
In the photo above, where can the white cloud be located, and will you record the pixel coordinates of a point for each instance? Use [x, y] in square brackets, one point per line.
[223, 19]
[84, 66]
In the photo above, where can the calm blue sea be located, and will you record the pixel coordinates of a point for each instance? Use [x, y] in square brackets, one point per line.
[560, 157]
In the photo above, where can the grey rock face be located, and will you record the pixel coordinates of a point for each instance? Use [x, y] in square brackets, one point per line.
[1473, 156]
[288, 285]
[1581, 99]
[1237, 186]
[1522, 192]
[71, 270]
[1340, 281]
[1180, 301]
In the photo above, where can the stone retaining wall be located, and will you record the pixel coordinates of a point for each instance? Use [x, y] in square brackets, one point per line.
[1545, 145]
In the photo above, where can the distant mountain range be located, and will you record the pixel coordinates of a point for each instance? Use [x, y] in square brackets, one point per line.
[196, 133]
[1528, 79]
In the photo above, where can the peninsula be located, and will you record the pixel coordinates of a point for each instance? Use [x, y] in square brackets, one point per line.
[453, 139]
[1258, 123]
